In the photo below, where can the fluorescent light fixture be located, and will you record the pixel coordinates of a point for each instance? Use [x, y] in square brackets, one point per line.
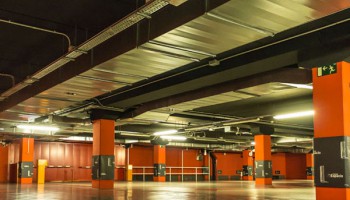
[173, 137]
[252, 143]
[205, 139]
[168, 132]
[303, 86]
[134, 134]
[38, 128]
[77, 138]
[294, 115]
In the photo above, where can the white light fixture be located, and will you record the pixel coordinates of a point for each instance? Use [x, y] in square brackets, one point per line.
[38, 128]
[303, 86]
[168, 132]
[77, 138]
[173, 137]
[294, 115]
[252, 143]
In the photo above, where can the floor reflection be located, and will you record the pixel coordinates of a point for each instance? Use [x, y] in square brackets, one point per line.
[299, 190]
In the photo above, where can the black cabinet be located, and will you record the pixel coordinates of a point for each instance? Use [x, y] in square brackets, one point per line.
[103, 167]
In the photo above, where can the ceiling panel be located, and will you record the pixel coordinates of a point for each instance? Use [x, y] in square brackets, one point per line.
[229, 26]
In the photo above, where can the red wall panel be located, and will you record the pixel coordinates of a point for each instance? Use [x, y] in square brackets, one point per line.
[4, 164]
[68, 155]
[45, 151]
[279, 164]
[13, 153]
[60, 154]
[37, 153]
[229, 163]
[141, 156]
[119, 153]
[296, 165]
[53, 159]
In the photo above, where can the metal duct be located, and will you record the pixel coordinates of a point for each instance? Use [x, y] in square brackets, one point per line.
[128, 21]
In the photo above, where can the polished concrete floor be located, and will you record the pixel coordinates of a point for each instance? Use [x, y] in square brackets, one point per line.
[237, 190]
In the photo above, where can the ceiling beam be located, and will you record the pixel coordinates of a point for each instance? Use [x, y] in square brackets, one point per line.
[286, 75]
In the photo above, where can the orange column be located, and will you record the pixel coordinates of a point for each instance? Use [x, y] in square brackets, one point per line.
[263, 163]
[247, 165]
[331, 97]
[159, 163]
[26, 157]
[103, 154]
[310, 166]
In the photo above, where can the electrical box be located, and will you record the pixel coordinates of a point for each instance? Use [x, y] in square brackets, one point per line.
[159, 170]
[309, 171]
[245, 170]
[25, 169]
[103, 167]
[263, 169]
[332, 162]
[205, 170]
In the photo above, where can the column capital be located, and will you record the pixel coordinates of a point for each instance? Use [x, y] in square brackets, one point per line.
[262, 130]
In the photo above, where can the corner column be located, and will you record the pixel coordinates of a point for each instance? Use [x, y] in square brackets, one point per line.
[310, 166]
[159, 163]
[26, 158]
[331, 97]
[248, 163]
[103, 154]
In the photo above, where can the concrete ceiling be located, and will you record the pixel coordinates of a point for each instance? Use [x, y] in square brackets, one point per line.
[157, 66]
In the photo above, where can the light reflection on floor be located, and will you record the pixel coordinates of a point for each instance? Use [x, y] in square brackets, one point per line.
[237, 190]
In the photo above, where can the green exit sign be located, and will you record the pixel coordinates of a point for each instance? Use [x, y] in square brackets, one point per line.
[327, 70]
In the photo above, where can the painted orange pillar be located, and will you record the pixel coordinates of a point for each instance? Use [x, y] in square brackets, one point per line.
[331, 97]
[310, 166]
[26, 157]
[128, 166]
[159, 163]
[248, 163]
[263, 163]
[103, 154]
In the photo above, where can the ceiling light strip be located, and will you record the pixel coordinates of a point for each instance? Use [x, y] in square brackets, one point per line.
[295, 115]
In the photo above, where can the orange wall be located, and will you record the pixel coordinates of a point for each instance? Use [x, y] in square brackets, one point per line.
[291, 165]
[296, 166]
[141, 156]
[279, 164]
[229, 163]
[3, 164]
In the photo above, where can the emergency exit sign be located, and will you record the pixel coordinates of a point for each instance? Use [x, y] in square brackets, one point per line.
[327, 70]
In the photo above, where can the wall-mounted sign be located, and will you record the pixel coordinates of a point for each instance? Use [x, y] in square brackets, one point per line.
[327, 70]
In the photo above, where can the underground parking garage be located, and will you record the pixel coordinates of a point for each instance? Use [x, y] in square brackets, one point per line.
[178, 99]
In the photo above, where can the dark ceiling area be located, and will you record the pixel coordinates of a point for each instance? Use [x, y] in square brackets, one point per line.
[216, 71]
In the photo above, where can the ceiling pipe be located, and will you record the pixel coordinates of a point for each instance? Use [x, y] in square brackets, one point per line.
[39, 29]
[11, 77]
